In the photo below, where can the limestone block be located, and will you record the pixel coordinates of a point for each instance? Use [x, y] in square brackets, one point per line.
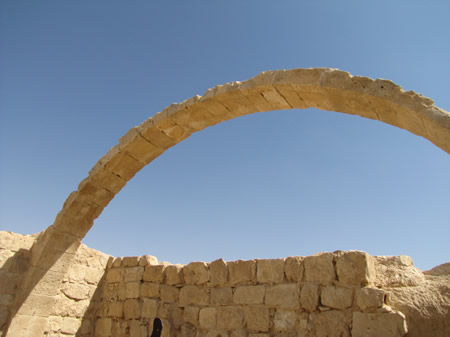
[293, 268]
[355, 268]
[94, 193]
[217, 333]
[172, 313]
[193, 295]
[154, 273]
[169, 293]
[221, 296]
[134, 274]
[257, 317]
[132, 309]
[122, 164]
[149, 308]
[196, 273]
[319, 268]
[39, 305]
[133, 289]
[218, 273]
[135, 327]
[214, 107]
[249, 294]
[104, 178]
[191, 315]
[103, 327]
[309, 297]
[207, 318]
[149, 289]
[285, 320]
[389, 324]
[147, 260]
[270, 271]
[154, 135]
[117, 262]
[8, 282]
[332, 323]
[370, 299]
[195, 118]
[336, 297]
[77, 291]
[26, 326]
[138, 147]
[130, 261]
[238, 333]
[282, 296]
[5, 255]
[70, 325]
[15, 242]
[230, 317]
[174, 274]
[114, 275]
[115, 309]
[241, 272]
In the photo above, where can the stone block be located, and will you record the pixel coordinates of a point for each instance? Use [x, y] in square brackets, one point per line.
[207, 318]
[114, 275]
[284, 320]
[370, 299]
[94, 193]
[270, 271]
[70, 325]
[218, 273]
[169, 293]
[336, 297]
[242, 272]
[103, 327]
[133, 289]
[191, 315]
[149, 308]
[174, 274]
[25, 326]
[115, 309]
[147, 260]
[319, 268]
[132, 309]
[249, 294]
[309, 297]
[138, 147]
[257, 317]
[389, 324]
[196, 273]
[221, 296]
[154, 273]
[230, 317]
[130, 261]
[77, 291]
[8, 282]
[332, 323]
[293, 268]
[149, 289]
[355, 268]
[217, 333]
[193, 295]
[134, 274]
[282, 296]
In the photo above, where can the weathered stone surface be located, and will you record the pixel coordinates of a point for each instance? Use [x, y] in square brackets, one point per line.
[293, 268]
[242, 272]
[336, 297]
[149, 289]
[231, 317]
[154, 273]
[218, 273]
[284, 320]
[103, 327]
[169, 294]
[283, 296]
[221, 296]
[249, 295]
[332, 323]
[147, 260]
[309, 297]
[133, 289]
[193, 295]
[115, 309]
[370, 299]
[132, 309]
[134, 274]
[174, 274]
[257, 317]
[196, 273]
[270, 271]
[355, 268]
[191, 315]
[207, 318]
[389, 324]
[319, 268]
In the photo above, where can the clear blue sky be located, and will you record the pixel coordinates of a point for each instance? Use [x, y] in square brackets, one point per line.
[76, 75]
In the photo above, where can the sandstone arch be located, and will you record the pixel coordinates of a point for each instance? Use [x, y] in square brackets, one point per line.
[322, 88]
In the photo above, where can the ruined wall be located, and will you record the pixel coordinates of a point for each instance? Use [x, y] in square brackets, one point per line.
[337, 294]
[77, 293]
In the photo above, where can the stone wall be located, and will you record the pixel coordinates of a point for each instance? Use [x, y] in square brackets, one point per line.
[337, 294]
[76, 299]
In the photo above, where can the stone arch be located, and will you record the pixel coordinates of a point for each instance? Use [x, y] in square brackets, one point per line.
[322, 88]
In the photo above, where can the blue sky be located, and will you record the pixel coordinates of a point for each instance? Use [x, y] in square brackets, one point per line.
[76, 75]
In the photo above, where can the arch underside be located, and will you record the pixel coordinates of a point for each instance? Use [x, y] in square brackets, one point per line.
[322, 88]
